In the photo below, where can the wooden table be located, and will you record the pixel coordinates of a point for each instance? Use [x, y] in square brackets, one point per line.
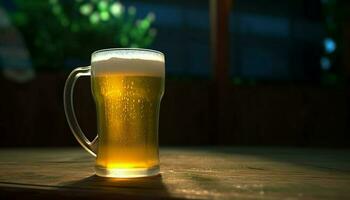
[187, 173]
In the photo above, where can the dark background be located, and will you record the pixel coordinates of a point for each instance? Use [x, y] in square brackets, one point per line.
[286, 85]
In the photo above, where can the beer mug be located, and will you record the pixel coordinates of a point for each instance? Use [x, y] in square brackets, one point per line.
[127, 86]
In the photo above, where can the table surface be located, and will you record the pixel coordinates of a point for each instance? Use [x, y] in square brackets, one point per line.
[186, 173]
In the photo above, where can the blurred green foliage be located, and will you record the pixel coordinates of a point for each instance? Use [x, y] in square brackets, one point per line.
[56, 30]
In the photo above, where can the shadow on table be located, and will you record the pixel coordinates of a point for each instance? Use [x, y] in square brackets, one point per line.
[121, 188]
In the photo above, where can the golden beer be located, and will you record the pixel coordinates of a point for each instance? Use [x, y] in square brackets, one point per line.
[127, 111]
[127, 89]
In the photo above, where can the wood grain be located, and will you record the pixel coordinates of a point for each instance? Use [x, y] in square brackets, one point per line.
[187, 173]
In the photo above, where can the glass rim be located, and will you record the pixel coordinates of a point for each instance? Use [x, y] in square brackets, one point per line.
[126, 49]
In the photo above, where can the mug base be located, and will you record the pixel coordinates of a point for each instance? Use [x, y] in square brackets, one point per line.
[126, 173]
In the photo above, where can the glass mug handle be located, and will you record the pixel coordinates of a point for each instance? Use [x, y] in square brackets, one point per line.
[91, 147]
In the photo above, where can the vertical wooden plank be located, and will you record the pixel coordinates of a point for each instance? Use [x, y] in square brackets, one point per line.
[219, 23]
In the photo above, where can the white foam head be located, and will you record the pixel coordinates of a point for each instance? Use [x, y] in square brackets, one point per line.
[128, 62]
